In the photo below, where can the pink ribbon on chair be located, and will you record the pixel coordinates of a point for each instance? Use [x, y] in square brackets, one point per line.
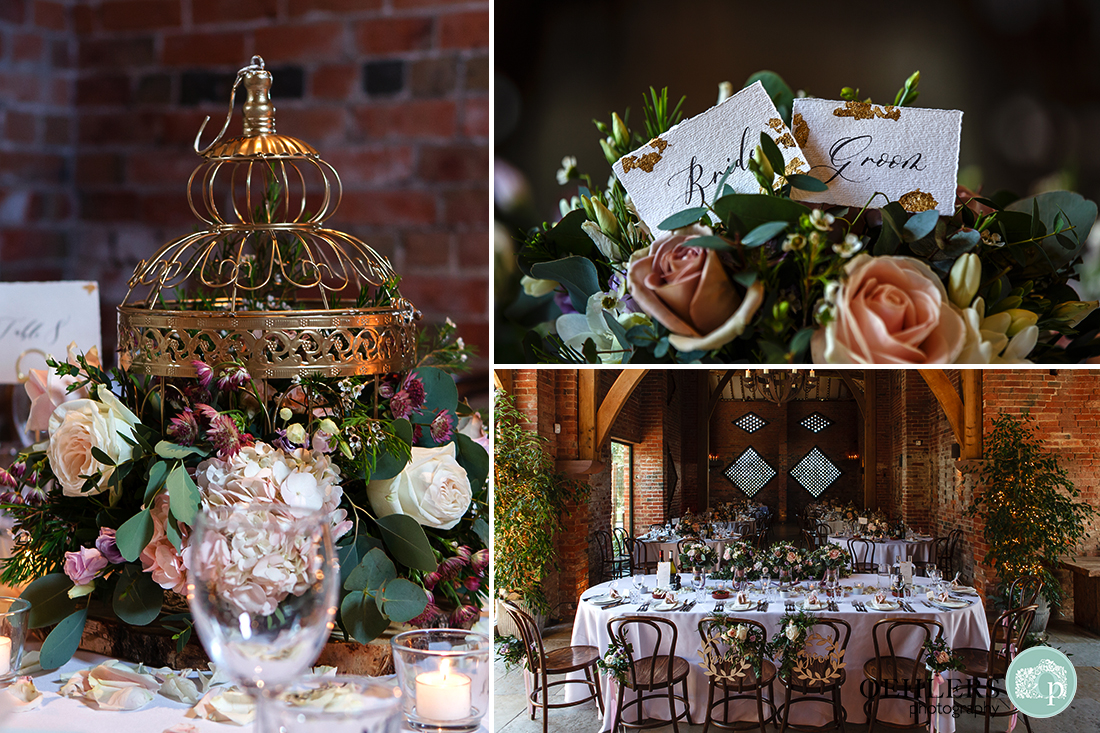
[937, 679]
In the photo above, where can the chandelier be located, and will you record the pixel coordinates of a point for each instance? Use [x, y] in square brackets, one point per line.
[778, 385]
[263, 282]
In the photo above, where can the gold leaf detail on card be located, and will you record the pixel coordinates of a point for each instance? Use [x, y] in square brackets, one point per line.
[785, 140]
[649, 160]
[795, 166]
[776, 124]
[867, 111]
[915, 201]
[801, 130]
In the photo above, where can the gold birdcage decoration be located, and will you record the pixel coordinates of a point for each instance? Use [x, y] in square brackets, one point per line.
[264, 283]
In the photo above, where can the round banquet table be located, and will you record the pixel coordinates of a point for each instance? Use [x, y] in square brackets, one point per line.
[962, 628]
[918, 549]
[650, 551]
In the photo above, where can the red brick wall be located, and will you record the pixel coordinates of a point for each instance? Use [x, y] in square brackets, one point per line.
[101, 100]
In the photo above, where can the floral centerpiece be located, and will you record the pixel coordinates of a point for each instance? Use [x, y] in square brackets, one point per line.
[782, 557]
[698, 555]
[831, 557]
[105, 504]
[759, 277]
[739, 556]
[692, 525]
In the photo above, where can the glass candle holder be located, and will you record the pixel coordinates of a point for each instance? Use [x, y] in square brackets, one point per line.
[444, 678]
[340, 704]
[13, 632]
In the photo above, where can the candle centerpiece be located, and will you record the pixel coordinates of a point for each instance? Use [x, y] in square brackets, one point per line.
[444, 678]
[13, 632]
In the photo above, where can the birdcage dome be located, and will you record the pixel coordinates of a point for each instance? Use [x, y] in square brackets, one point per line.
[264, 282]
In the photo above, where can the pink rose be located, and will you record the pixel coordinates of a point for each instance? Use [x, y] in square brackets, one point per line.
[159, 558]
[687, 290]
[942, 657]
[47, 389]
[891, 310]
[82, 566]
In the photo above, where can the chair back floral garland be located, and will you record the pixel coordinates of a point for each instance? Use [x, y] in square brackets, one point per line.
[617, 659]
[795, 646]
[731, 647]
[105, 504]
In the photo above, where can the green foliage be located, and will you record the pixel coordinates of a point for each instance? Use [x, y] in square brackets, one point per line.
[1030, 510]
[137, 598]
[510, 651]
[530, 497]
[377, 596]
[61, 643]
[49, 599]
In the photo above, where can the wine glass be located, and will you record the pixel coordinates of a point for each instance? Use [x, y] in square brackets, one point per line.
[262, 586]
[766, 577]
[883, 575]
[639, 583]
[699, 582]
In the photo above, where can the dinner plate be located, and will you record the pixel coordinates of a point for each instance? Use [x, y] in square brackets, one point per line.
[666, 606]
[888, 606]
[963, 590]
[815, 607]
[952, 603]
[605, 600]
[733, 606]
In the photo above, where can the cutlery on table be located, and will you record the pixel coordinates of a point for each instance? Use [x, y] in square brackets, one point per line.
[643, 607]
[719, 606]
[688, 606]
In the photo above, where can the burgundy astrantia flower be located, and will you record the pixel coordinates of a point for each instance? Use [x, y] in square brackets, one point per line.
[233, 377]
[6, 479]
[450, 568]
[442, 427]
[479, 561]
[463, 615]
[184, 428]
[205, 373]
[401, 405]
[431, 580]
[222, 432]
[414, 387]
[35, 495]
[418, 433]
[472, 584]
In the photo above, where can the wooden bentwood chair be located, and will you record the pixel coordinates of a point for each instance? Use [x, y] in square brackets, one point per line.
[541, 664]
[661, 669]
[991, 665]
[863, 555]
[818, 679]
[740, 683]
[898, 677]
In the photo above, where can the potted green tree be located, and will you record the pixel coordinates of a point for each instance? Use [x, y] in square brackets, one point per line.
[529, 496]
[1029, 507]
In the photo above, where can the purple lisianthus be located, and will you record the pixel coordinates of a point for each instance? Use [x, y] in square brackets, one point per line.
[105, 543]
[561, 299]
[282, 442]
[84, 565]
[615, 285]
[320, 442]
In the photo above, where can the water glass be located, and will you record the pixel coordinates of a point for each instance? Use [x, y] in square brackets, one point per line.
[13, 632]
[699, 582]
[883, 575]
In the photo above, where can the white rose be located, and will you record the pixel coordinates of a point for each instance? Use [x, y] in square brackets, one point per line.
[742, 632]
[433, 489]
[80, 425]
[792, 631]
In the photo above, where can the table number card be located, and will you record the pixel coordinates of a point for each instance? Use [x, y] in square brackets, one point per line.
[681, 168]
[857, 148]
[47, 317]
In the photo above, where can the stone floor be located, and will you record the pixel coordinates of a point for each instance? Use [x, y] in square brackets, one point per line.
[510, 714]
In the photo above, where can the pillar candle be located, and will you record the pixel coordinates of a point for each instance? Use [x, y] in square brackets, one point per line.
[442, 695]
[5, 655]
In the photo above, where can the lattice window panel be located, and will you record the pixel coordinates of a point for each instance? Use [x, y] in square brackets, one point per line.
[750, 422]
[815, 472]
[816, 422]
[749, 472]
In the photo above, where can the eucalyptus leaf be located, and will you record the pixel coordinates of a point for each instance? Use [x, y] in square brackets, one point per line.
[62, 643]
[481, 529]
[712, 241]
[801, 340]
[157, 473]
[745, 278]
[102, 457]
[472, 457]
[171, 451]
[804, 182]
[137, 599]
[576, 274]
[183, 495]
[1075, 209]
[763, 233]
[360, 616]
[348, 557]
[773, 154]
[49, 599]
[407, 543]
[403, 600]
[920, 225]
[752, 210]
[683, 218]
[439, 389]
[375, 570]
[134, 534]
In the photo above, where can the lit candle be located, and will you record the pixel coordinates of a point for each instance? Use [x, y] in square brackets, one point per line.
[5, 655]
[443, 695]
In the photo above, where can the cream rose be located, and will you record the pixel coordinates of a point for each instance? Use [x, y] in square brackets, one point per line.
[80, 425]
[433, 489]
[687, 290]
[891, 310]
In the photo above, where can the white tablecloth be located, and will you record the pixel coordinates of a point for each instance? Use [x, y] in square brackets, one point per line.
[886, 551]
[56, 714]
[651, 551]
[965, 627]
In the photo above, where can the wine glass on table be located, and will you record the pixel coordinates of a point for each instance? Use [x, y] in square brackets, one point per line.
[883, 575]
[262, 587]
[639, 582]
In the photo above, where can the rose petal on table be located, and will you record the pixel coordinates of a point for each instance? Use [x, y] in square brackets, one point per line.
[224, 706]
[182, 728]
[180, 687]
[323, 671]
[22, 695]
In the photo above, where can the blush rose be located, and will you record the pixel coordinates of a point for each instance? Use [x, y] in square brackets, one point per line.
[891, 310]
[687, 290]
[80, 425]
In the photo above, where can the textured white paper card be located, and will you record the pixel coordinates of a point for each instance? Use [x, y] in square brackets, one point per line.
[681, 168]
[39, 318]
[858, 149]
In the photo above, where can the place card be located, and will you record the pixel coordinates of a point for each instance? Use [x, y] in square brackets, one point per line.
[681, 168]
[39, 319]
[858, 149]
